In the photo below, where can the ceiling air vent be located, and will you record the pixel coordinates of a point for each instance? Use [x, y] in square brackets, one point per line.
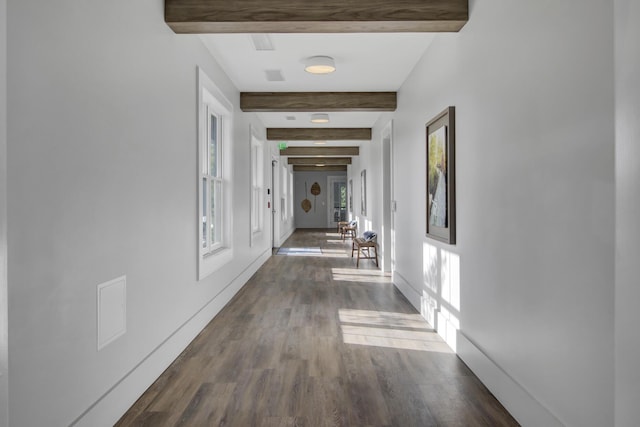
[262, 42]
[274, 75]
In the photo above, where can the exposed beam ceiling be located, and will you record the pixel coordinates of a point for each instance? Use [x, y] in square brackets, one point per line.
[302, 16]
[318, 134]
[319, 160]
[264, 102]
[328, 168]
[320, 151]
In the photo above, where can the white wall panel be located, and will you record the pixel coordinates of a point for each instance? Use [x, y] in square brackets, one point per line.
[627, 391]
[532, 84]
[102, 183]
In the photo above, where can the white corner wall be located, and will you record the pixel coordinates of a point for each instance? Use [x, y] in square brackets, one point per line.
[372, 159]
[627, 347]
[102, 182]
[530, 282]
[4, 417]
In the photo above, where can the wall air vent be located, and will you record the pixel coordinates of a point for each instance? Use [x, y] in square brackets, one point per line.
[112, 310]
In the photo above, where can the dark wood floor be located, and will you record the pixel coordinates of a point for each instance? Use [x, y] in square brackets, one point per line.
[313, 341]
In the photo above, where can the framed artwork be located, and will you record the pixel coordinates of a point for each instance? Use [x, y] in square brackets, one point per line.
[363, 192]
[441, 178]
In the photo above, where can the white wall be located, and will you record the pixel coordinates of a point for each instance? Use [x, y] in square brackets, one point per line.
[371, 158]
[366, 160]
[102, 182]
[317, 217]
[627, 390]
[529, 283]
[4, 421]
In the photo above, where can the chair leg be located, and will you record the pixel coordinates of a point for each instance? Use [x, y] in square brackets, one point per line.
[375, 248]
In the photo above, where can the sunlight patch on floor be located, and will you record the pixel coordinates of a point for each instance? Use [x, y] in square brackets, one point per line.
[313, 252]
[360, 278]
[383, 318]
[390, 330]
[358, 275]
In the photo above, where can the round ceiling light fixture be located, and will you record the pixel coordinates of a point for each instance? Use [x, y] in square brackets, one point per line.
[319, 65]
[319, 118]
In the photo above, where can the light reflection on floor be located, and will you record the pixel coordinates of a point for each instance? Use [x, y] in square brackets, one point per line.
[313, 252]
[360, 275]
[390, 330]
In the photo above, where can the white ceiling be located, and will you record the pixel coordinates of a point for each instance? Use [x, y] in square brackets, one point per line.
[368, 62]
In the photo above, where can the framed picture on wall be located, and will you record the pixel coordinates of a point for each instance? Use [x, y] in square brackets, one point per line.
[441, 206]
[363, 192]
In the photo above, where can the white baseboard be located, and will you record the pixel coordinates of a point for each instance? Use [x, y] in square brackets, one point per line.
[107, 410]
[520, 404]
[286, 235]
[407, 290]
[518, 401]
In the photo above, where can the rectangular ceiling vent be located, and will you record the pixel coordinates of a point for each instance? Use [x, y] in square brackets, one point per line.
[274, 75]
[290, 117]
[262, 42]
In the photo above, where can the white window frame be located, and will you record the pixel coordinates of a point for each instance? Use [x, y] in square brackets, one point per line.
[214, 253]
[257, 187]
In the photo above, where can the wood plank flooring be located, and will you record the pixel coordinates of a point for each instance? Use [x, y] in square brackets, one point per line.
[313, 341]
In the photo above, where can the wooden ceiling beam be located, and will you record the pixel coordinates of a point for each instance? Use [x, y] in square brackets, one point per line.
[320, 151]
[319, 160]
[311, 168]
[268, 102]
[318, 134]
[302, 16]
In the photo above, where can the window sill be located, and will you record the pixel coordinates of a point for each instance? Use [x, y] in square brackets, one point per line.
[213, 261]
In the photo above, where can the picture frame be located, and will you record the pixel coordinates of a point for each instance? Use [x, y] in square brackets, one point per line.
[440, 177]
[363, 192]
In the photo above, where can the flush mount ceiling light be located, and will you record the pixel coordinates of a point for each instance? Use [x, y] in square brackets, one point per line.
[320, 142]
[319, 65]
[319, 118]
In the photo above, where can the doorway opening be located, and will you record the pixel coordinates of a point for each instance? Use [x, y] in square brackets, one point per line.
[337, 200]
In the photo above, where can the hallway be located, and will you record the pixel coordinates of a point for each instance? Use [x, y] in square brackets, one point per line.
[312, 341]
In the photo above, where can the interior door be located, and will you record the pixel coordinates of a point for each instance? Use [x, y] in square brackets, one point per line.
[337, 200]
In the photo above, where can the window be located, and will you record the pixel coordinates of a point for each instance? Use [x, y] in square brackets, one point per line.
[257, 187]
[214, 185]
[211, 188]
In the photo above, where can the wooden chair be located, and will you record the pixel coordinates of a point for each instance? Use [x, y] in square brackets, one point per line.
[341, 224]
[351, 230]
[363, 246]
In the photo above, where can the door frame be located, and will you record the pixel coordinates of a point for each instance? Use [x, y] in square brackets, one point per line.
[388, 201]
